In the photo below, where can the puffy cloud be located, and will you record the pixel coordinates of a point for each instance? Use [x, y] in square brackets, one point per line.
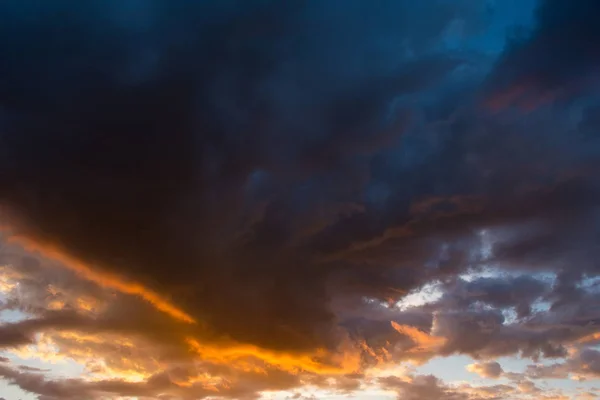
[584, 363]
[431, 388]
[491, 369]
[499, 292]
[421, 387]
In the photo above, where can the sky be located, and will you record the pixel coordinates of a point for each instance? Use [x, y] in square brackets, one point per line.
[299, 200]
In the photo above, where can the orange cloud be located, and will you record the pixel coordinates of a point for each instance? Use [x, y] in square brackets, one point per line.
[424, 342]
[589, 338]
[104, 357]
[207, 381]
[102, 278]
[230, 354]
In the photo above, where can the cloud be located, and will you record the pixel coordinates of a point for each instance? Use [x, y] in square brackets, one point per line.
[104, 280]
[491, 370]
[232, 198]
[428, 387]
[423, 344]
[421, 387]
[554, 60]
[583, 364]
[11, 337]
[499, 292]
[268, 102]
[73, 388]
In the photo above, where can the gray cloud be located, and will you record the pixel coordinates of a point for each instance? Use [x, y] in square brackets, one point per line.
[498, 292]
[584, 364]
[422, 387]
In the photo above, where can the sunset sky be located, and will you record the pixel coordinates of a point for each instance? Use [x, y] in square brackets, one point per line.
[299, 199]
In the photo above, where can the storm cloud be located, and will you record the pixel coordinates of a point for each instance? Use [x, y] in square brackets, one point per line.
[265, 179]
[140, 167]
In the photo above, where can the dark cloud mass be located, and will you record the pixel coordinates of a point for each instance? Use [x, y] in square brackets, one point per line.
[285, 172]
[142, 138]
[558, 58]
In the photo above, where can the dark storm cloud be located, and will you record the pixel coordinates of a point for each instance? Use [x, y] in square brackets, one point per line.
[524, 230]
[557, 58]
[274, 165]
[285, 172]
[132, 137]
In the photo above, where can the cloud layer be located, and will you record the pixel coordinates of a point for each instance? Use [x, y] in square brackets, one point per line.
[226, 198]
